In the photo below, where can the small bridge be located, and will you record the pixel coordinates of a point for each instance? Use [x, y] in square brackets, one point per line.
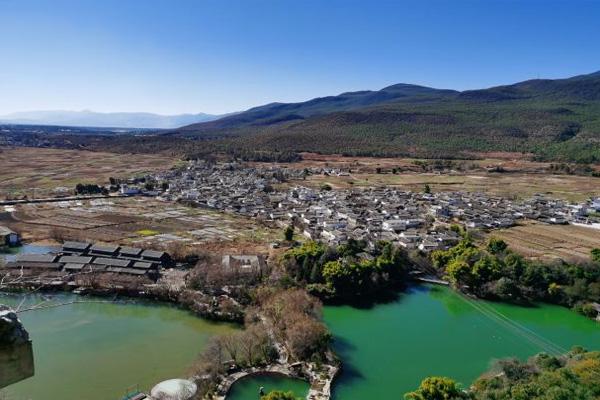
[434, 281]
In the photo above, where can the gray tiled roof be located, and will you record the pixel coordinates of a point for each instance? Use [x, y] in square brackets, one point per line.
[104, 248]
[130, 251]
[142, 265]
[153, 254]
[48, 258]
[81, 246]
[115, 262]
[74, 266]
[75, 259]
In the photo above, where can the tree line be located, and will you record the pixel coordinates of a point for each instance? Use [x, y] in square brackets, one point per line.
[574, 375]
[496, 272]
[348, 272]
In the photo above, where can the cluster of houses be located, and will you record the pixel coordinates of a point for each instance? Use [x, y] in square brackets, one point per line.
[80, 257]
[409, 219]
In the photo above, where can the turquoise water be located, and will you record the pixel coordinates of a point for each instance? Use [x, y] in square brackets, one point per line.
[11, 252]
[96, 351]
[248, 388]
[388, 349]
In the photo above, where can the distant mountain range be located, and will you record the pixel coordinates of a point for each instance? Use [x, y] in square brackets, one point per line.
[105, 120]
[276, 113]
[551, 118]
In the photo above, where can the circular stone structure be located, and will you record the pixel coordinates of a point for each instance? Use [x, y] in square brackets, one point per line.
[174, 389]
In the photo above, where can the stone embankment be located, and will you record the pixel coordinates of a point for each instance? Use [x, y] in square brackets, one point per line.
[320, 378]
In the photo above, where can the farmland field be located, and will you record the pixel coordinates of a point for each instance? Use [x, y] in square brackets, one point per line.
[516, 185]
[38, 171]
[523, 178]
[139, 221]
[542, 241]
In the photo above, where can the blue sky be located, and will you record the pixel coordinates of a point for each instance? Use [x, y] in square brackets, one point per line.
[219, 56]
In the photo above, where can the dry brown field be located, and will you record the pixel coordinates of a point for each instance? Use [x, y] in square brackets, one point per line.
[542, 241]
[523, 178]
[38, 171]
[511, 161]
[141, 222]
[510, 185]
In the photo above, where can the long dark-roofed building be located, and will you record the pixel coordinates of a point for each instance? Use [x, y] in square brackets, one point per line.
[82, 257]
[75, 247]
[132, 252]
[157, 256]
[74, 267]
[35, 261]
[113, 262]
[144, 265]
[48, 258]
[75, 259]
[78, 257]
[104, 250]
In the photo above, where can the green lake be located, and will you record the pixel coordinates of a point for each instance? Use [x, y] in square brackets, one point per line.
[388, 349]
[96, 351]
[248, 388]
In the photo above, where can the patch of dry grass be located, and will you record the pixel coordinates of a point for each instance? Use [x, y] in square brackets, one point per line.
[538, 240]
[513, 185]
[36, 171]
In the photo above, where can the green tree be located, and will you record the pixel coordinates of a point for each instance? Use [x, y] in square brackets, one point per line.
[427, 189]
[496, 246]
[279, 395]
[437, 388]
[486, 269]
[459, 272]
[288, 233]
[315, 273]
[595, 255]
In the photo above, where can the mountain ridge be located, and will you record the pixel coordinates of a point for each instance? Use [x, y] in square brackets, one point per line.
[550, 118]
[276, 112]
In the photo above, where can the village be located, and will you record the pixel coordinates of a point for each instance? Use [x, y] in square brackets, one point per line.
[135, 236]
[413, 220]
[236, 212]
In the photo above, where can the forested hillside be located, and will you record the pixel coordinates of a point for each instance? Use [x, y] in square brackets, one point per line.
[279, 113]
[553, 119]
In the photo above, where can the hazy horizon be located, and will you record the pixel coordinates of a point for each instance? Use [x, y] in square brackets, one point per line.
[217, 57]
